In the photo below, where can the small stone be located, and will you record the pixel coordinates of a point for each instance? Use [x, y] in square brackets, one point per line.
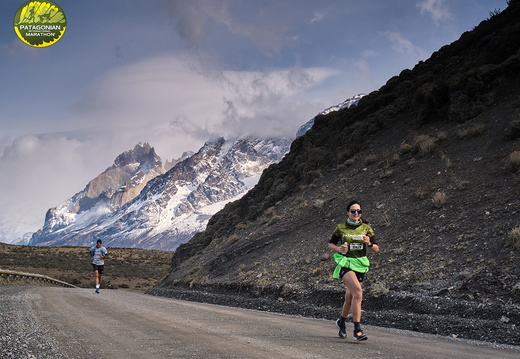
[504, 319]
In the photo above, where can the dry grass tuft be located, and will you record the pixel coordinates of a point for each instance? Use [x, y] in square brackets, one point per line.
[424, 144]
[514, 160]
[514, 237]
[405, 148]
[370, 159]
[439, 199]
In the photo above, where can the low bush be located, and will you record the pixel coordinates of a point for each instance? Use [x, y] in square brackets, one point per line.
[514, 160]
[514, 237]
[439, 199]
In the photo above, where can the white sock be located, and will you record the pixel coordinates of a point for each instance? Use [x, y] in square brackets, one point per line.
[97, 286]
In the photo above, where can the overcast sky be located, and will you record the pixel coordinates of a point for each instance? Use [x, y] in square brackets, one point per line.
[176, 73]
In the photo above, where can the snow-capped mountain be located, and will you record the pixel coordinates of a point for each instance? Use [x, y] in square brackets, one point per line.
[172, 206]
[345, 104]
[105, 194]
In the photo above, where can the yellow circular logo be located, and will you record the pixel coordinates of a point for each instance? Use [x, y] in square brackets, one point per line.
[40, 23]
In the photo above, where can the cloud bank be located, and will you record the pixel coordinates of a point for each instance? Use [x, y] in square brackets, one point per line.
[174, 102]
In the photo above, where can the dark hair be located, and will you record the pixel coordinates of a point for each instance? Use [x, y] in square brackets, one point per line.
[99, 241]
[351, 203]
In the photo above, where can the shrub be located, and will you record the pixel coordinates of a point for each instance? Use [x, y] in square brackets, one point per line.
[514, 160]
[439, 199]
[241, 225]
[350, 161]
[370, 159]
[387, 173]
[319, 203]
[478, 129]
[377, 289]
[514, 237]
[424, 144]
[232, 238]
[513, 131]
[348, 154]
[422, 192]
[494, 13]
[474, 131]
[405, 148]
[394, 160]
[441, 136]
[462, 185]
[275, 219]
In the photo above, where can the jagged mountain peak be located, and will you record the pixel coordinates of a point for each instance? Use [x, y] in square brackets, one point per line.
[212, 144]
[107, 192]
[141, 153]
[170, 207]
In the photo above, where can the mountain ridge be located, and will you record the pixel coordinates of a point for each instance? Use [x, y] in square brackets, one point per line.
[110, 190]
[137, 204]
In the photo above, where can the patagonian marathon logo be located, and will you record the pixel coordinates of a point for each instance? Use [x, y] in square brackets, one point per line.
[40, 23]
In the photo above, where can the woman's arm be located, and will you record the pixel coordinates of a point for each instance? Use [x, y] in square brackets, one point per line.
[373, 246]
[341, 249]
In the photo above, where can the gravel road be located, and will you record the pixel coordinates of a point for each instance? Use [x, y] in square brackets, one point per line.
[44, 322]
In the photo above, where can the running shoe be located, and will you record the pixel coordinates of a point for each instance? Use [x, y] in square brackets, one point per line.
[97, 291]
[342, 328]
[359, 336]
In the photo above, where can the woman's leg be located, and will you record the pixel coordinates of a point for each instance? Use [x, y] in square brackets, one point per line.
[346, 304]
[353, 296]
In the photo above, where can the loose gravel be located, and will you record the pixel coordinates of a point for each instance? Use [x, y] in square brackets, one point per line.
[23, 335]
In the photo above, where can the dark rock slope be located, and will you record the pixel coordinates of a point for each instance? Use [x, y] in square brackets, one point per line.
[433, 156]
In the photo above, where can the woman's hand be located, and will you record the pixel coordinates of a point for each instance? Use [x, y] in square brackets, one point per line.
[343, 248]
[366, 239]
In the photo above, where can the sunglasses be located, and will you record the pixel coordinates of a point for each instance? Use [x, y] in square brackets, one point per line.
[356, 210]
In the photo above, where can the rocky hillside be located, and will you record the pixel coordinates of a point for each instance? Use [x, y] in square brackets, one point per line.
[434, 158]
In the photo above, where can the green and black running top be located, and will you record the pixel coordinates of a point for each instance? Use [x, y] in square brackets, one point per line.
[356, 257]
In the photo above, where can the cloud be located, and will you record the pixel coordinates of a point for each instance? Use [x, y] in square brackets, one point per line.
[191, 20]
[403, 46]
[318, 16]
[17, 48]
[173, 94]
[271, 103]
[174, 102]
[196, 22]
[39, 171]
[436, 9]
[399, 43]
[368, 53]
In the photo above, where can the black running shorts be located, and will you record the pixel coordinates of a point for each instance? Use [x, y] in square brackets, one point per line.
[97, 268]
[360, 276]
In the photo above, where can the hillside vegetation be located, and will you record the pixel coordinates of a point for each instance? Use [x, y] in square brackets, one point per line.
[125, 268]
[434, 158]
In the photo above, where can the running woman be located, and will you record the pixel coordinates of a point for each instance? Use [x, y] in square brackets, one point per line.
[351, 240]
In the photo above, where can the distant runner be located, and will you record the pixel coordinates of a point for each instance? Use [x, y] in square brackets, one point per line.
[354, 237]
[97, 257]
